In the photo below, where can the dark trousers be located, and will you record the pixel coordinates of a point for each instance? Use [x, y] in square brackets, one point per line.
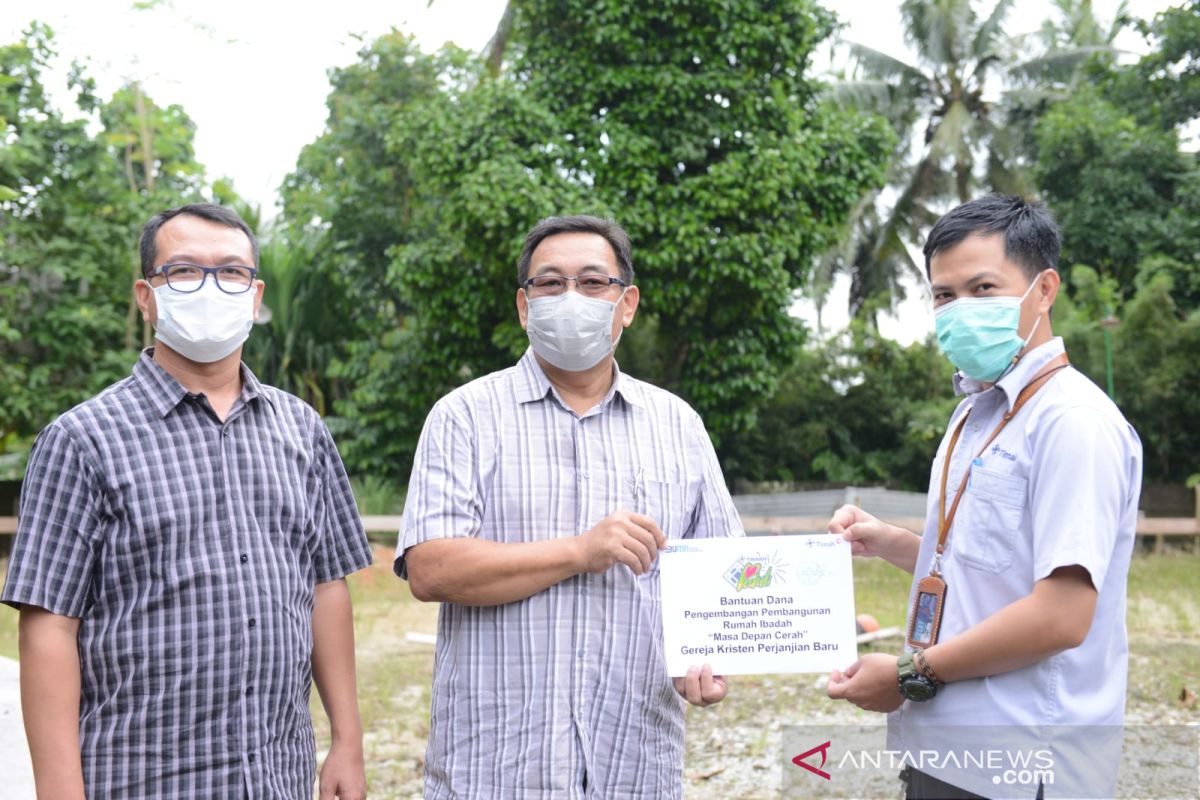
[922, 786]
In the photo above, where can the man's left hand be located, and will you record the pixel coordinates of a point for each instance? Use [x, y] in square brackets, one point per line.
[343, 775]
[700, 687]
[871, 683]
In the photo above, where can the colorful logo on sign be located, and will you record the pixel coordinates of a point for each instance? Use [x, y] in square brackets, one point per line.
[754, 572]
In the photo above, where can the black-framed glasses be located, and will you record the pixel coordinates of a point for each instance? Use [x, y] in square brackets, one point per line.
[184, 277]
[590, 285]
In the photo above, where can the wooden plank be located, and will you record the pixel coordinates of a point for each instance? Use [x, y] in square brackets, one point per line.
[1169, 526]
[1146, 526]
[382, 524]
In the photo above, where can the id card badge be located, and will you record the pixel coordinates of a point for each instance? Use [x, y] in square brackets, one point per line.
[926, 619]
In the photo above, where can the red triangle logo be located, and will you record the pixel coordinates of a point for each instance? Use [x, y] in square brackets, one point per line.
[800, 762]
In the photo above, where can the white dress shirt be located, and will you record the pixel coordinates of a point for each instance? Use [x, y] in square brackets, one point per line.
[1058, 487]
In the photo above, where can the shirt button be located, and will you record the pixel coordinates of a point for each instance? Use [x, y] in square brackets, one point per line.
[250, 758]
[253, 622]
[579, 652]
[245, 558]
[249, 690]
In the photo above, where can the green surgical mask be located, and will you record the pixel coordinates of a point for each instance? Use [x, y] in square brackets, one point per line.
[979, 334]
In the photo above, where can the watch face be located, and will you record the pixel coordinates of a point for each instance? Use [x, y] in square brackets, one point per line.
[918, 689]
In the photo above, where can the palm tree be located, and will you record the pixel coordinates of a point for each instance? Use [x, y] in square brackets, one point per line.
[949, 138]
[953, 109]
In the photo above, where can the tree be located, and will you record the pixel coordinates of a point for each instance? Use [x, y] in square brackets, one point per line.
[695, 126]
[1156, 376]
[1114, 185]
[71, 205]
[963, 112]
[1163, 88]
[699, 124]
[941, 111]
[1110, 163]
[858, 408]
[295, 343]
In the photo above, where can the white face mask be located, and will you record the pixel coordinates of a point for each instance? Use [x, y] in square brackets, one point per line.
[571, 331]
[204, 325]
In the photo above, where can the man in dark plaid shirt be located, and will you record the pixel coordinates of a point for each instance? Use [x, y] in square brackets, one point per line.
[180, 559]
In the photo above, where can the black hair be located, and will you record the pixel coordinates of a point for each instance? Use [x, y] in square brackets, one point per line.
[1031, 239]
[208, 211]
[613, 233]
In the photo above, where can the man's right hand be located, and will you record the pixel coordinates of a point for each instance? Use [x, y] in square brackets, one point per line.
[621, 538]
[872, 538]
[868, 537]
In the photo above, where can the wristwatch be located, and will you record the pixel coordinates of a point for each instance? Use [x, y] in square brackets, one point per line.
[914, 685]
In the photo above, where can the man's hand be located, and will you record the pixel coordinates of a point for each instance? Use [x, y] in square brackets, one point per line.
[621, 538]
[872, 538]
[700, 687]
[343, 775]
[871, 683]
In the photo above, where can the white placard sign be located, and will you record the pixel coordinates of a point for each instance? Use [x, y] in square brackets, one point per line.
[759, 604]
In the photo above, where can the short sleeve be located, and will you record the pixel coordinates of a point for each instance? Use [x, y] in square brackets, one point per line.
[715, 515]
[343, 547]
[60, 522]
[1079, 492]
[443, 498]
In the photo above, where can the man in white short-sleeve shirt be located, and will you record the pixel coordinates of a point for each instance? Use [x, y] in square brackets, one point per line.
[1032, 647]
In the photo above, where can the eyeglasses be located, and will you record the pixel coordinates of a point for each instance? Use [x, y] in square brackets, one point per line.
[184, 277]
[590, 285]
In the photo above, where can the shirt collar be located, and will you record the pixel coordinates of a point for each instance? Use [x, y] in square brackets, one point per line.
[534, 385]
[1019, 376]
[164, 392]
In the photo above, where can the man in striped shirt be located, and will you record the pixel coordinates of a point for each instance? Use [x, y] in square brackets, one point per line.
[180, 556]
[539, 500]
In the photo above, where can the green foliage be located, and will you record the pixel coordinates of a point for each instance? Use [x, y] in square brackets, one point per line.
[693, 124]
[62, 308]
[1156, 375]
[938, 109]
[293, 349]
[1090, 151]
[74, 193]
[859, 408]
[1163, 88]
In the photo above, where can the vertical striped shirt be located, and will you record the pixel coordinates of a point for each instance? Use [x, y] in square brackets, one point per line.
[189, 549]
[564, 694]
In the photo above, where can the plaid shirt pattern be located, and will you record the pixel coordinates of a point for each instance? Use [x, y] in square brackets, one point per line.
[564, 694]
[189, 550]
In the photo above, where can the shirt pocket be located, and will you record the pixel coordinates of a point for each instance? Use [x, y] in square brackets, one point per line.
[988, 520]
[663, 499]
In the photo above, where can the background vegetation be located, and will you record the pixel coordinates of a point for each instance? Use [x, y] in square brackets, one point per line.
[746, 179]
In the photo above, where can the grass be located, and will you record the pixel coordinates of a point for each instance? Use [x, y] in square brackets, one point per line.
[395, 675]
[378, 496]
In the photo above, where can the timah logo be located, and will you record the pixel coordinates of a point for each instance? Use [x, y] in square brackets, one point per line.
[823, 749]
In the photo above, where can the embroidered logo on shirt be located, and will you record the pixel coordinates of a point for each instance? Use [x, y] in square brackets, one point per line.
[997, 450]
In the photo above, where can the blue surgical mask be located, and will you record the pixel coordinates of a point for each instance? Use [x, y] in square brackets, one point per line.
[979, 334]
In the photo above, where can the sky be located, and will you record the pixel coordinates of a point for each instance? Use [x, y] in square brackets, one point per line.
[252, 75]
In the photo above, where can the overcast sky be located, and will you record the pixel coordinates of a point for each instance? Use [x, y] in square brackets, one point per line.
[252, 73]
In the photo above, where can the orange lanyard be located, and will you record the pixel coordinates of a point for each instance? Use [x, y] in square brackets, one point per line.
[946, 520]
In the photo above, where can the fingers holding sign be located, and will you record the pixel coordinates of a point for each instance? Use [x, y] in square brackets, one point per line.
[700, 687]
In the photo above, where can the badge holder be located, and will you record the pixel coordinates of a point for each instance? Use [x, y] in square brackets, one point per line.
[926, 619]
